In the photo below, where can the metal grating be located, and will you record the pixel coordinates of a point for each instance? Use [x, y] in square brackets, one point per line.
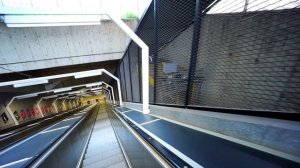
[228, 54]
[249, 60]
[174, 42]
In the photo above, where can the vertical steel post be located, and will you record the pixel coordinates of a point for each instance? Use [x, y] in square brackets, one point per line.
[139, 71]
[194, 52]
[130, 74]
[155, 36]
[124, 81]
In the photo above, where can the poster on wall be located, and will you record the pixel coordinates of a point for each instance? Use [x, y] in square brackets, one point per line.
[17, 116]
[4, 117]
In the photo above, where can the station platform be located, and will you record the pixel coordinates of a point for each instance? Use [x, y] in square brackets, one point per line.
[198, 149]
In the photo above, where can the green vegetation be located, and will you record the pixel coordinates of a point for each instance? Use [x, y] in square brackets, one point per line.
[130, 15]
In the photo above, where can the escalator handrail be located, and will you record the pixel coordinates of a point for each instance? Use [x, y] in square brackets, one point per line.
[39, 158]
[26, 128]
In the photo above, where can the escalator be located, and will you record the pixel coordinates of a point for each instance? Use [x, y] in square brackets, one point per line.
[28, 149]
[118, 137]
[91, 137]
[103, 149]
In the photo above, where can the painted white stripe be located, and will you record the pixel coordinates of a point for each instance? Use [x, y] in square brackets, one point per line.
[150, 121]
[123, 111]
[168, 146]
[135, 110]
[44, 132]
[126, 111]
[15, 162]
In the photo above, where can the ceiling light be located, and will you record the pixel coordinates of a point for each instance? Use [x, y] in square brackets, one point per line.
[92, 89]
[31, 83]
[93, 84]
[51, 20]
[62, 90]
[87, 74]
[27, 96]
[50, 97]
[52, 24]
[70, 93]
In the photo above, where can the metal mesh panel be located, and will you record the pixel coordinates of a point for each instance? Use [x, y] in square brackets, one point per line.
[174, 41]
[127, 77]
[245, 57]
[134, 68]
[248, 56]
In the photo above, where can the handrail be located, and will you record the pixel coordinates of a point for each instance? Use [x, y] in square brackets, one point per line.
[158, 151]
[45, 153]
[17, 135]
[158, 157]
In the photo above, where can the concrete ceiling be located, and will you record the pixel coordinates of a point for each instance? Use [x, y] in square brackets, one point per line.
[58, 83]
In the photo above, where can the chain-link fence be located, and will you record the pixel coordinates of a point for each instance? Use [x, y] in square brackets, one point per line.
[227, 54]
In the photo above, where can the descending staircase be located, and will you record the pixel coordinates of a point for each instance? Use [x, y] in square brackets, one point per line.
[103, 149]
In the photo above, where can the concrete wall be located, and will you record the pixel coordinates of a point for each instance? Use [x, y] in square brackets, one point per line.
[60, 105]
[26, 108]
[46, 107]
[279, 137]
[25, 49]
[3, 111]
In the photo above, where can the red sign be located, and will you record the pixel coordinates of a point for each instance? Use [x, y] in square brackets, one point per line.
[28, 113]
[32, 112]
[23, 115]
